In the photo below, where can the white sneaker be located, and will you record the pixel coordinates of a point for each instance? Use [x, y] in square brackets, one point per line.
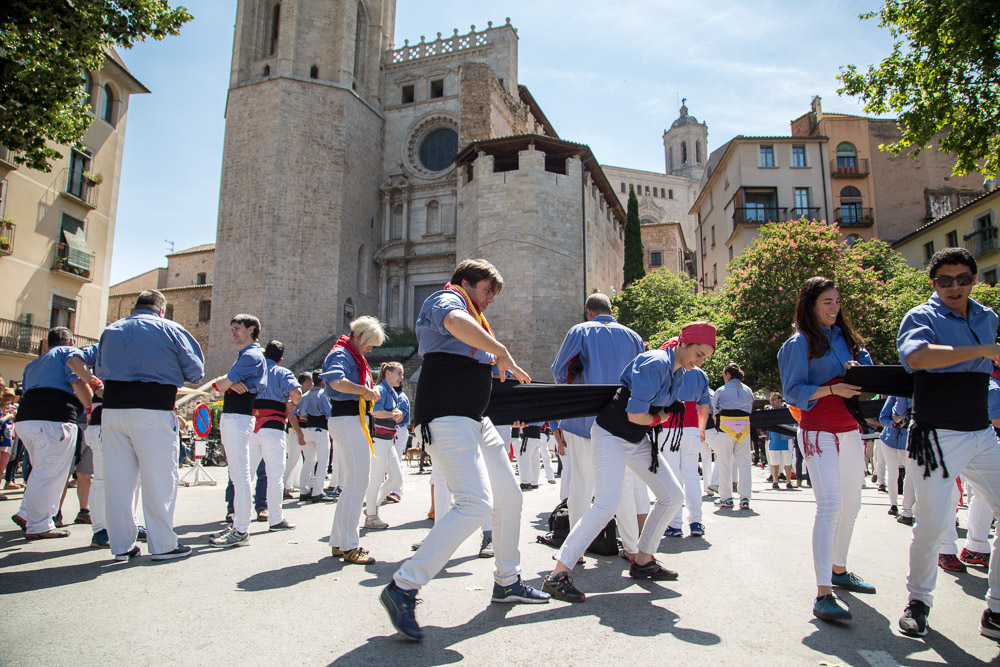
[374, 523]
[233, 538]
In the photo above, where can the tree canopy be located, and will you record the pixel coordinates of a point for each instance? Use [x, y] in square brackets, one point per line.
[943, 75]
[45, 47]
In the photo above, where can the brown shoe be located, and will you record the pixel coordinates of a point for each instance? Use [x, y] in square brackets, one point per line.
[47, 535]
[336, 552]
[358, 556]
[262, 514]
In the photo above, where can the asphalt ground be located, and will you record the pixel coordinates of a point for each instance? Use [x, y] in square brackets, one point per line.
[743, 598]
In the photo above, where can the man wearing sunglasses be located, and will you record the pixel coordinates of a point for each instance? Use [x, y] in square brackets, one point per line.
[948, 344]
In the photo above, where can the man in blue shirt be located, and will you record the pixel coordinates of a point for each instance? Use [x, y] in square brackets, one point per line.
[272, 408]
[57, 387]
[143, 359]
[315, 405]
[240, 387]
[948, 342]
[593, 352]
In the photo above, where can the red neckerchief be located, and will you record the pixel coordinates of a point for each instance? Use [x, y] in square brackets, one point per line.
[471, 307]
[995, 374]
[359, 360]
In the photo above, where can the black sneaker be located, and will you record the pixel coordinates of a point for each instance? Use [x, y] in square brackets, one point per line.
[914, 619]
[989, 624]
[561, 587]
[893, 510]
[128, 555]
[182, 551]
[651, 570]
[905, 520]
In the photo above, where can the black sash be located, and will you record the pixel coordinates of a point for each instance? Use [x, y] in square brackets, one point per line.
[451, 385]
[950, 401]
[121, 395]
[49, 405]
[240, 404]
[348, 408]
[265, 404]
[316, 421]
[614, 419]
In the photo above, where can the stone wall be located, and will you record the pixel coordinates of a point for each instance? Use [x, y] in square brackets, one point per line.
[183, 269]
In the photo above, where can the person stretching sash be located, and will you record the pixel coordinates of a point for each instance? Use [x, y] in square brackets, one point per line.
[351, 390]
[623, 437]
[684, 461]
[812, 364]
[385, 473]
[947, 343]
[267, 442]
[458, 348]
[246, 379]
[733, 403]
[143, 359]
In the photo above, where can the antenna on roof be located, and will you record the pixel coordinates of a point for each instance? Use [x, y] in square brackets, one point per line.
[170, 245]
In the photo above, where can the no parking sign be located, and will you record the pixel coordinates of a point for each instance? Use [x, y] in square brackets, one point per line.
[202, 420]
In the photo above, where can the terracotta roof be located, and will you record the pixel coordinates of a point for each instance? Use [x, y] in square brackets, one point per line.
[164, 290]
[942, 218]
[205, 247]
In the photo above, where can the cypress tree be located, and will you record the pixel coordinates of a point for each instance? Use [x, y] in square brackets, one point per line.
[634, 269]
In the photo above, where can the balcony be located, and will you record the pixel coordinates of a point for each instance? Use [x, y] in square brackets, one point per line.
[81, 187]
[848, 167]
[27, 338]
[807, 212]
[981, 241]
[7, 158]
[851, 216]
[72, 261]
[7, 228]
[756, 215]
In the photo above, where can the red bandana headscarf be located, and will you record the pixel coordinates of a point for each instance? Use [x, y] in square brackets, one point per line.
[697, 334]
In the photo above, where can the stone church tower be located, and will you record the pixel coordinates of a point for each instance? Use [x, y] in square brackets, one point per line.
[302, 165]
[685, 146]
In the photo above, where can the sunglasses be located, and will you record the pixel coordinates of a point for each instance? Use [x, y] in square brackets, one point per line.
[963, 280]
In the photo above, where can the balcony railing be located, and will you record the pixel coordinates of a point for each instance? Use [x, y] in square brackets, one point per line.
[981, 241]
[81, 187]
[27, 338]
[849, 167]
[757, 215]
[7, 158]
[854, 217]
[807, 212]
[7, 229]
[62, 265]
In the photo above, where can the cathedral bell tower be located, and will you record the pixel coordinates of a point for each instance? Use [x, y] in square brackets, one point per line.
[685, 146]
[298, 203]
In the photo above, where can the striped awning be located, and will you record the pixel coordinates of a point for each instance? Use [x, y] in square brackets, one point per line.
[78, 252]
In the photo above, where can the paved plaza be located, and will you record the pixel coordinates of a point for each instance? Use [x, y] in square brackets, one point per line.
[744, 596]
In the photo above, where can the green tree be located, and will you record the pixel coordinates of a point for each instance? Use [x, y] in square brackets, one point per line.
[650, 303]
[943, 75]
[634, 266]
[45, 46]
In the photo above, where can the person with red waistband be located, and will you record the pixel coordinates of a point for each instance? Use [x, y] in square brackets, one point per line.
[812, 364]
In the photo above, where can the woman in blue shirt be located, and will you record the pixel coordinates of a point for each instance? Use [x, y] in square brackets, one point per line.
[812, 364]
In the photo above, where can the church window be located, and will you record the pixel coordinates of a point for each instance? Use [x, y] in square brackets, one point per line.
[697, 151]
[670, 158]
[656, 191]
[396, 228]
[624, 189]
[201, 279]
[656, 258]
[647, 190]
[360, 44]
[437, 88]
[684, 152]
[433, 224]
[314, 72]
[407, 97]
[670, 194]
[275, 28]
[266, 71]
[110, 105]
[438, 149]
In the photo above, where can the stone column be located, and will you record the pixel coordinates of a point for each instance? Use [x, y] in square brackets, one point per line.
[406, 219]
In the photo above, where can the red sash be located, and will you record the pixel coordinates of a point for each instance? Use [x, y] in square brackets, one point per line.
[829, 414]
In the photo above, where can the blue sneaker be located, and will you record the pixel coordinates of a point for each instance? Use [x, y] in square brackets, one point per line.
[697, 529]
[519, 592]
[831, 608]
[400, 605]
[141, 535]
[100, 540]
[852, 582]
[673, 532]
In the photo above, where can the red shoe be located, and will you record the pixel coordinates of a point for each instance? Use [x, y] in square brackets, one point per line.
[951, 563]
[975, 558]
[21, 523]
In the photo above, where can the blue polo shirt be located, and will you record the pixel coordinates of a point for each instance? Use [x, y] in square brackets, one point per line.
[734, 395]
[694, 387]
[432, 336]
[932, 322]
[250, 369]
[388, 399]
[339, 364]
[652, 380]
[802, 376]
[145, 347]
[315, 403]
[404, 407]
[604, 348]
[280, 383]
[890, 435]
[51, 370]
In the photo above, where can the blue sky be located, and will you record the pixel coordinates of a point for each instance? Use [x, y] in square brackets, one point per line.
[607, 74]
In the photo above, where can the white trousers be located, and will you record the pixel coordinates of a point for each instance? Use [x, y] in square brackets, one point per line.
[612, 455]
[634, 502]
[836, 474]
[50, 447]
[236, 430]
[707, 472]
[893, 458]
[442, 497]
[96, 500]
[733, 455]
[581, 484]
[949, 540]
[909, 490]
[566, 477]
[351, 441]
[269, 444]
[979, 519]
[339, 476]
[315, 459]
[975, 456]
[476, 465]
[527, 462]
[140, 444]
[880, 462]
[399, 444]
[384, 475]
[293, 460]
[684, 463]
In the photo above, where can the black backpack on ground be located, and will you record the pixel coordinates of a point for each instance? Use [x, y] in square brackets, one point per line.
[605, 544]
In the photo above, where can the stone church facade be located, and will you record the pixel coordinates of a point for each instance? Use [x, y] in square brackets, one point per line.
[355, 176]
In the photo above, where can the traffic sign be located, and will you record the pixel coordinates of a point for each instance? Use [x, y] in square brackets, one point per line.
[202, 420]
